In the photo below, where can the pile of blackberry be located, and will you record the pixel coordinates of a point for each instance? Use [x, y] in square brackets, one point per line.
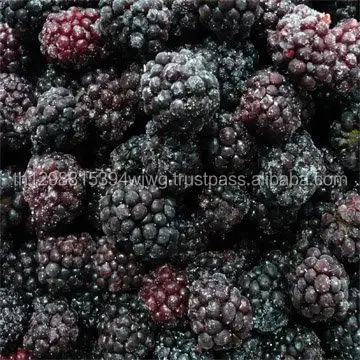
[179, 179]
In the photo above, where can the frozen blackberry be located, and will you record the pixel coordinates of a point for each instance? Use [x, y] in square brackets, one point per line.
[112, 100]
[251, 349]
[229, 20]
[264, 286]
[57, 122]
[223, 207]
[185, 17]
[114, 270]
[126, 158]
[136, 27]
[219, 315]
[342, 339]
[53, 329]
[290, 175]
[179, 92]
[230, 148]
[345, 137]
[72, 37]
[14, 315]
[139, 218]
[20, 354]
[270, 107]
[319, 288]
[341, 227]
[64, 263]
[53, 190]
[125, 331]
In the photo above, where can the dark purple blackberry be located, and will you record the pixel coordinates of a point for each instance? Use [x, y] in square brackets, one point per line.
[14, 314]
[342, 339]
[229, 20]
[125, 331]
[185, 17]
[57, 122]
[179, 92]
[230, 148]
[345, 137]
[64, 263]
[219, 315]
[53, 190]
[290, 175]
[135, 27]
[319, 287]
[112, 100]
[53, 329]
[139, 217]
[114, 270]
[223, 207]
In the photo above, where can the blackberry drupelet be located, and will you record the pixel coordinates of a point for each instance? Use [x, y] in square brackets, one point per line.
[135, 27]
[14, 313]
[53, 190]
[57, 122]
[319, 287]
[114, 270]
[230, 148]
[64, 263]
[53, 329]
[270, 106]
[139, 217]
[179, 92]
[219, 315]
[298, 161]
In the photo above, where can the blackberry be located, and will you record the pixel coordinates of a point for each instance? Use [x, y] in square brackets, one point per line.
[125, 330]
[270, 107]
[114, 270]
[72, 37]
[342, 339]
[219, 315]
[251, 349]
[319, 288]
[52, 330]
[229, 20]
[230, 148]
[136, 27]
[185, 17]
[14, 57]
[345, 137]
[52, 190]
[57, 122]
[13, 317]
[64, 263]
[223, 207]
[298, 163]
[264, 286]
[179, 92]
[20, 354]
[139, 217]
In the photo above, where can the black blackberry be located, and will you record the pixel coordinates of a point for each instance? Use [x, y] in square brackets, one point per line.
[136, 27]
[57, 122]
[125, 331]
[230, 148]
[53, 329]
[64, 263]
[223, 207]
[139, 218]
[179, 92]
[14, 315]
[264, 286]
[251, 349]
[290, 175]
[114, 270]
[185, 17]
[219, 315]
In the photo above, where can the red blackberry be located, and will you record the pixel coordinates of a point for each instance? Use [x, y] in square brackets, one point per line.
[53, 190]
[319, 287]
[114, 270]
[165, 294]
[72, 37]
[219, 315]
[20, 354]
